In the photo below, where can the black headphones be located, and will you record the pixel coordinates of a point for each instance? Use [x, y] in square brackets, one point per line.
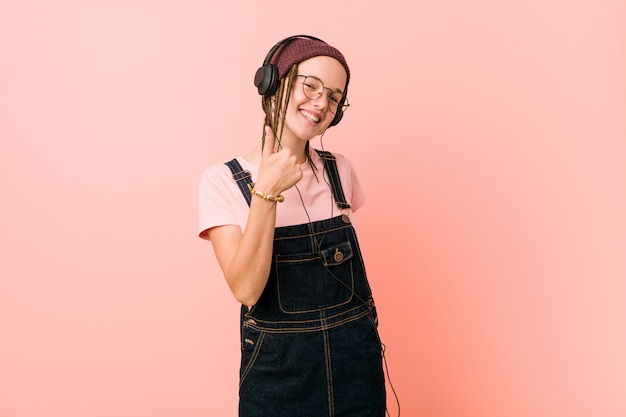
[266, 78]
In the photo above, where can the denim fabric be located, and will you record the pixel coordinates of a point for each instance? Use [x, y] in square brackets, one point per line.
[242, 177]
[310, 346]
[331, 168]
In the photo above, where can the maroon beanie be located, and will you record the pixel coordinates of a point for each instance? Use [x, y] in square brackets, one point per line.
[300, 49]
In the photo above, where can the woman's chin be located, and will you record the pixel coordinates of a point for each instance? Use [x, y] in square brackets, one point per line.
[307, 135]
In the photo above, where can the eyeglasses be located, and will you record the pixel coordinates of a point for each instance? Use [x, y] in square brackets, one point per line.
[313, 89]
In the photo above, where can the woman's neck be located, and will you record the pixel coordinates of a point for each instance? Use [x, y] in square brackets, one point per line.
[297, 147]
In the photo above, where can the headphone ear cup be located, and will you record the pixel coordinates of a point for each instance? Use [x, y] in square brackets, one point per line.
[266, 79]
[337, 119]
[339, 114]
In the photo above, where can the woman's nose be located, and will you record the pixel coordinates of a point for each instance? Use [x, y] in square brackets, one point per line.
[321, 100]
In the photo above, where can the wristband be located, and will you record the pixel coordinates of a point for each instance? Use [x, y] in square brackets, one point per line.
[268, 197]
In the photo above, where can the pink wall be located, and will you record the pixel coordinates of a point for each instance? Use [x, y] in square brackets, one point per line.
[490, 137]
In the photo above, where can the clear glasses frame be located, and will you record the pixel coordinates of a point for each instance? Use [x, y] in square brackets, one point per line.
[313, 88]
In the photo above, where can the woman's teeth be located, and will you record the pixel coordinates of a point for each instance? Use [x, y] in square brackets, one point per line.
[310, 116]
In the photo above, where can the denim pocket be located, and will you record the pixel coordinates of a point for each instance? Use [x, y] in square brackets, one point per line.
[315, 281]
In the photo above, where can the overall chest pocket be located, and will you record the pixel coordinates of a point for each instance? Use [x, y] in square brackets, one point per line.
[315, 281]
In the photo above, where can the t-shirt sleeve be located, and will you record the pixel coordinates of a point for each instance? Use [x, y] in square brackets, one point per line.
[351, 184]
[358, 194]
[215, 203]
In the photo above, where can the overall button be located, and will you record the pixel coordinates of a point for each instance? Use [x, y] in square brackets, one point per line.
[345, 218]
[338, 255]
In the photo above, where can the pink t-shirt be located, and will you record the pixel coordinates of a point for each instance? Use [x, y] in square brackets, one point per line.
[221, 201]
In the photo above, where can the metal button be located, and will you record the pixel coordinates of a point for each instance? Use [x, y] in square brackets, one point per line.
[338, 255]
[345, 218]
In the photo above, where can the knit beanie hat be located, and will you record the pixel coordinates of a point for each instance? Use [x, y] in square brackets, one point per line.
[300, 49]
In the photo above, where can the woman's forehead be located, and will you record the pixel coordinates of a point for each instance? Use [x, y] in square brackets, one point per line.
[327, 69]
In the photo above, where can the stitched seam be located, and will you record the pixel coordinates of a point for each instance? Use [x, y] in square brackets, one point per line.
[329, 376]
[311, 329]
[255, 355]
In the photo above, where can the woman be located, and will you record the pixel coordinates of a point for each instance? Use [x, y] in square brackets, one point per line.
[279, 221]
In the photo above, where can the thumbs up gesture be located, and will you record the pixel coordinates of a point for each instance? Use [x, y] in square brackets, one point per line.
[279, 170]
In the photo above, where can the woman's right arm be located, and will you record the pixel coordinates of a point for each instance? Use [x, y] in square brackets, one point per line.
[246, 258]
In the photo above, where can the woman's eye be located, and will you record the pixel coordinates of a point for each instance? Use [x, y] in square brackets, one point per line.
[334, 99]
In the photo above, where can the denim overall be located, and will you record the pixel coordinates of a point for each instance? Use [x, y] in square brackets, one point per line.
[310, 346]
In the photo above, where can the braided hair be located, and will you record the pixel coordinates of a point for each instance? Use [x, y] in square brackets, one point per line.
[276, 108]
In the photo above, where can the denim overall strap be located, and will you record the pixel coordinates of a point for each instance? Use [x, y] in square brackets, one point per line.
[330, 165]
[242, 177]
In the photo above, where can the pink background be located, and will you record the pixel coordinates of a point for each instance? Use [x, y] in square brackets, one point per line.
[490, 137]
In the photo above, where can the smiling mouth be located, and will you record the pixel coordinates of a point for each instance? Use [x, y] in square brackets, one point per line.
[310, 116]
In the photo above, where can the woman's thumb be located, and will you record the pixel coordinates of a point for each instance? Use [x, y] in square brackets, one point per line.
[268, 146]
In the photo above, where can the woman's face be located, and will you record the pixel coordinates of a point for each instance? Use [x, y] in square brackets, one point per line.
[308, 117]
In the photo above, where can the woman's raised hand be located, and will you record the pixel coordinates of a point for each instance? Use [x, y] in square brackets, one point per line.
[278, 171]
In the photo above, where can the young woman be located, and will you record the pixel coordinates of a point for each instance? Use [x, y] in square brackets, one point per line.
[279, 221]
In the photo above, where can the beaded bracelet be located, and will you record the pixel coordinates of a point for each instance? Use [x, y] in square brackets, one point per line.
[268, 197]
